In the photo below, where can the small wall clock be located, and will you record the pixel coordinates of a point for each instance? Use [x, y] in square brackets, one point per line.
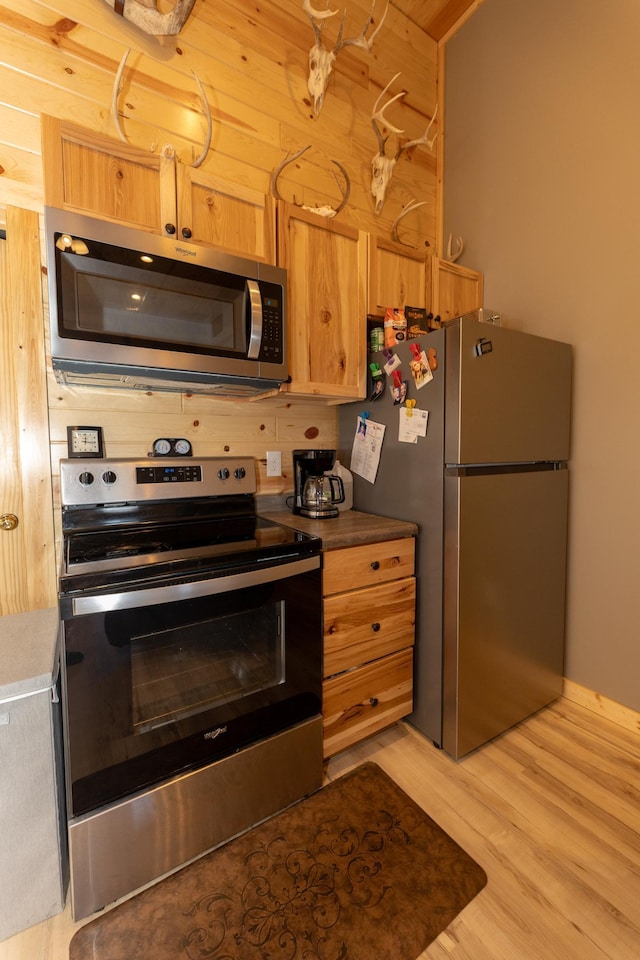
[85, 442]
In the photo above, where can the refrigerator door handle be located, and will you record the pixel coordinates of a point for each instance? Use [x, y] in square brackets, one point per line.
[489, 469]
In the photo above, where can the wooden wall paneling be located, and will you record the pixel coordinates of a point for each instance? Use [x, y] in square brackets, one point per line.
[27, 567]
[60, 57]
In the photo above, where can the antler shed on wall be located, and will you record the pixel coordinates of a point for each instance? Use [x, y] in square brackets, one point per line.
[168, 150]
[382, 166]
[145, 15]
[321, 59]
[323, 211]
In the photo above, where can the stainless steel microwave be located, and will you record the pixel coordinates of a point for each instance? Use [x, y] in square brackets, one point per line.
[135, 309]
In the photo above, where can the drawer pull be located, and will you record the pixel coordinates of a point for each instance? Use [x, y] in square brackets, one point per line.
[375, 565]
[373, 701]
[375, 627]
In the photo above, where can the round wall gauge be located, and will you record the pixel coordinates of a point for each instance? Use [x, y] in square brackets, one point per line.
[171, 447]
[162, 447]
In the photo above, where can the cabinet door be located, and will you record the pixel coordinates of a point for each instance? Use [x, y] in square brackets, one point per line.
[88, 172]
[226, 215]
[327, 266]
[398, 276]
[456, 290]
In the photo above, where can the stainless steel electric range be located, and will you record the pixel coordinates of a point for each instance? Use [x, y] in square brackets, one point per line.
[192, 645]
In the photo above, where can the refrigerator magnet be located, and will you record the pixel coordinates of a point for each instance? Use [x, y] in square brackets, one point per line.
[393, 361]
[419, 366]
[377, 382]
[399, 388]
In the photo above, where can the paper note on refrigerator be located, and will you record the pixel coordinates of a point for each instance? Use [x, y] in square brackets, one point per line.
[412, 424]
[367, 447]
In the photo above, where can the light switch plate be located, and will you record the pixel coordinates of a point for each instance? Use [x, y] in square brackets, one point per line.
[274, 463]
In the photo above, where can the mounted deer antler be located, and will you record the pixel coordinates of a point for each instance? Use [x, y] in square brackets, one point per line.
[326, 210]
[381, 165]
[410, 207]
[145, 15]
[321, 60]
[452, 257]
[168, 150]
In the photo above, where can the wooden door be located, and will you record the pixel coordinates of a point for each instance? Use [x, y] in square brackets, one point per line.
[456, 290]
[27, 563]
[88, 172]
[327, 270]
[237, 219]
[398, 276]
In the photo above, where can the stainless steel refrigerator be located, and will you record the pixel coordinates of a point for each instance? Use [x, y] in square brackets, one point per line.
[488, 488]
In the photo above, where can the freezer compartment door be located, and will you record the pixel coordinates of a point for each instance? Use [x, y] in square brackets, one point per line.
[504, 601]
[507, 394]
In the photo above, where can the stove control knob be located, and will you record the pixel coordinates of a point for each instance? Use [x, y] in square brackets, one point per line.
[86, 478]
[239, 473]
[109, 476]
[223, 474]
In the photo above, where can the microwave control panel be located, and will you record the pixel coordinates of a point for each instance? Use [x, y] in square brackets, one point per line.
[272, 347]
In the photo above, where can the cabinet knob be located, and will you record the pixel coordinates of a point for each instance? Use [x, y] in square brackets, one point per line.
[170, 229]
[186, 233]
[375, 627]
[8, 521]
[373, 701]
[375, 565]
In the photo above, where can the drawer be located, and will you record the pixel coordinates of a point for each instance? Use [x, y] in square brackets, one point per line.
[363, 701]
[368, 624]
[353, 567]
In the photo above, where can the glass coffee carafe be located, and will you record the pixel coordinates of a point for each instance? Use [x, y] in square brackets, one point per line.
[320, 496]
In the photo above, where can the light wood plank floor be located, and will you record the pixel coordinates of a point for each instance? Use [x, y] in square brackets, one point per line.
[551, 810]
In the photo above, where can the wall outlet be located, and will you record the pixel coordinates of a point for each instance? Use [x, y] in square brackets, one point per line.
[274, 463]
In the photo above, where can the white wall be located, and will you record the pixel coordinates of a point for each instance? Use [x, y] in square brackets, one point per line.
[542, 165]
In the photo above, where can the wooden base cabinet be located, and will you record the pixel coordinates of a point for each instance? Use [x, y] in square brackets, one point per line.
[369, 631]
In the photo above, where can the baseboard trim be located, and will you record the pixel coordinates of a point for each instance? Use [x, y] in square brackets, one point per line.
[609, 709]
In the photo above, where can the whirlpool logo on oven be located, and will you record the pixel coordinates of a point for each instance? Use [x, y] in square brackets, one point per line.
[212, 734]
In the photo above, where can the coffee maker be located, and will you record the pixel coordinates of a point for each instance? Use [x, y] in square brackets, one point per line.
[316, 491]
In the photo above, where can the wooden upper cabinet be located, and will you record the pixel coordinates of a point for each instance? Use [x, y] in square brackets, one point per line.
[456, 290]
[222, 214]
[399, 276]
[327, 268]
[88, 172]
[91, 173]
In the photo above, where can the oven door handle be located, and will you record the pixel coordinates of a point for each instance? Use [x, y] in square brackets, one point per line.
[173, 593]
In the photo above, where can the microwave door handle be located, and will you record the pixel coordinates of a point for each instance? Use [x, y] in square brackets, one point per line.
[255, 326]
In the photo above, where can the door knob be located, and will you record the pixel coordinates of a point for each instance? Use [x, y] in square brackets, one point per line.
[8, 521]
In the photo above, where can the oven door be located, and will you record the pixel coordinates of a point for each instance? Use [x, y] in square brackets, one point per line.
[164, 679]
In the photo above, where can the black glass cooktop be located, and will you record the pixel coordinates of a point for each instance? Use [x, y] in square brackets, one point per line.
[134, 553]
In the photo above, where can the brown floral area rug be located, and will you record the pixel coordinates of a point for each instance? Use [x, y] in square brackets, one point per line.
[356, 871]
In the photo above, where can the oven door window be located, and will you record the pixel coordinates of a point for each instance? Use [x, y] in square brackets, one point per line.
[153, 691]
[180, 671]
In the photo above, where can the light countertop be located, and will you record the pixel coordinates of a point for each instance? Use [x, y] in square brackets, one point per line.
[28, 652]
